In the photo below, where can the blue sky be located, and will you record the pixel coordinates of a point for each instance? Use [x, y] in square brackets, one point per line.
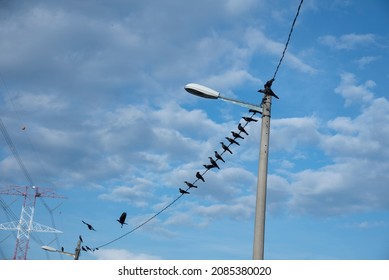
[99, 88]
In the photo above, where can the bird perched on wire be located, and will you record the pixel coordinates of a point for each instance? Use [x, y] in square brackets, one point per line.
[232, 141]
[219, 157]
[225, 147]
[80, 238]
[241, 128]
[208, 166]
[249, 119]
[268, 90]
[199, 176]
[236, 135]
[83, 248]
[255, 111]
[190, 185]
[213, 162]
[122, 219]
[183, 191]
[90, 227]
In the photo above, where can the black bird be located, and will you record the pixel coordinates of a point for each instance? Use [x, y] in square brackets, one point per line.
[88, 248]
[183, 191]
[208, 166]
[225, 148]
[122, 219]
[213, 162]
[80, 238]
[232, 141]
[198, 176]
[62, 249]
[218, 156]
[268, 91]
[83, 248]
[89, 226]
[236, 135]
[241, 128]
[190, 185]
[248, 119]
[255, 111]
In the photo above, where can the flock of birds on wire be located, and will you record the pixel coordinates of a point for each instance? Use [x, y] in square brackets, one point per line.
[213, 163]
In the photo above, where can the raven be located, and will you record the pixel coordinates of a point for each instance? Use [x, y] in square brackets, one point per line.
[183, 191]
[208, 166]
[248, 119]
[241, 128]
[122, 219]
[213, 162]
[190, 185]
[219, 156]
[89, 226]
[232, 141]
[225, 148]
[236, 135]
[198, 176]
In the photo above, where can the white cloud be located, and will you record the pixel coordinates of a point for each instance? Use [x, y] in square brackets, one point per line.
[348, 41]
[122, 254]
[365, 60]
[352, 92]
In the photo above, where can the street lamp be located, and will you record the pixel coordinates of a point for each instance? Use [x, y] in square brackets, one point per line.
[75, 256]
[260, 209]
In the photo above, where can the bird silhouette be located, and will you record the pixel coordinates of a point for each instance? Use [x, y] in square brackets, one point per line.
[225, 147]
[241, 128]
[218, 156]
[213, 162]
[208, 166]
[83, 248]
[80, 238]
[232, 141]
[122, 219]
[198, 176]
[268, 91]
[190, 185]
[236, 135]
[249, 119]
[88, 248]
[62, 249]
[255, 111]
[90, 227]
[183, 191]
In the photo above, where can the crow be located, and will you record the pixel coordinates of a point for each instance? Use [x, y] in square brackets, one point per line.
[225, 148]
[248, 119]
[236, 135]
[219, 156]
[241, 128]
[89, 226]
[83, 248]
[183, 191]
[255, 111]
[232, 141]
[122, 219]
[88, 248]
[190, 185]
[80, 238]
[62, 249]
[198, 176]
[213, 162]
[208, 166]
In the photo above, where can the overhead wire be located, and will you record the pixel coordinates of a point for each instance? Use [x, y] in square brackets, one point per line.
[287, 41]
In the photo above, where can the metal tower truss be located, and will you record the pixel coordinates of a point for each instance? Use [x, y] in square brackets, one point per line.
[26, 224]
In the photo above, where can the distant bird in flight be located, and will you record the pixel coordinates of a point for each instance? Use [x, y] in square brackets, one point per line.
[232, 141]
[183, 191]
[208, 166]
[236, 135]
[241, 128]
[89, 226]
[218, 156]
[122, 219]
[213, 162]
[225, 147]
[190, 185]
[248, 119]
[198, 176]
[255, 111]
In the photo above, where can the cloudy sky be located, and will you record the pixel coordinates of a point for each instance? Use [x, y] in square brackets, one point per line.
[92, 97]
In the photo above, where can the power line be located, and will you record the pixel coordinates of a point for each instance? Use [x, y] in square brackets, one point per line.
[287, 42]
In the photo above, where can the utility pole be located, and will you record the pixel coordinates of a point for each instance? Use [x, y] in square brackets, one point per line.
[26, 225]
[260, 209]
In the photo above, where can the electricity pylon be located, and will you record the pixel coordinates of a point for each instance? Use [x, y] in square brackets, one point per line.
[26, 224]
